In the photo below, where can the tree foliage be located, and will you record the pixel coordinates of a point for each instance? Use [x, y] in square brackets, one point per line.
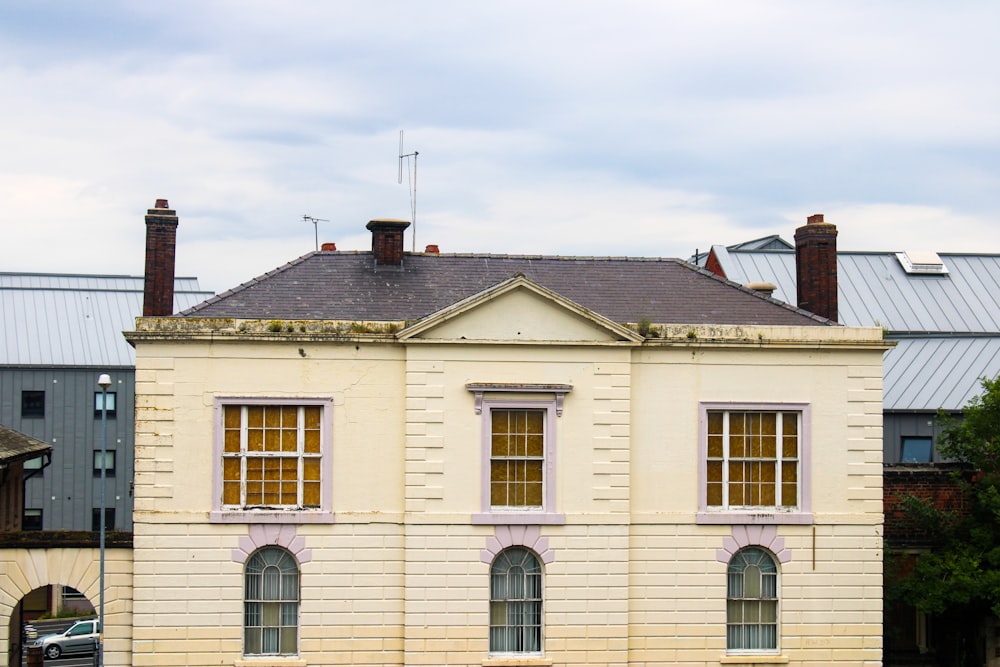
[959, 576]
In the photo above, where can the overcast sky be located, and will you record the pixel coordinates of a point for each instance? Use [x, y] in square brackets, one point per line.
[571, 128]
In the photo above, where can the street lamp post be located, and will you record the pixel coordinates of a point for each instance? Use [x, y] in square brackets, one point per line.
[104, 381]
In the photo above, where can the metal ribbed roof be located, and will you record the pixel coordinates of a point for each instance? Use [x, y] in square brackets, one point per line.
[948, 326]
[927, 373]
[75, 320]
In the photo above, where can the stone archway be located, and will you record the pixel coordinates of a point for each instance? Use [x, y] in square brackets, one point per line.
[29, 570]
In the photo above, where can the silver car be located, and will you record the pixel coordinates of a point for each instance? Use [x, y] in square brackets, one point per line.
[81, 637]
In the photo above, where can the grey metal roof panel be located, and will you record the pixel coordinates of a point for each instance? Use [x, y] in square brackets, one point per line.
[873, 289]
[346, 285]
[75, 320]
[926, 373]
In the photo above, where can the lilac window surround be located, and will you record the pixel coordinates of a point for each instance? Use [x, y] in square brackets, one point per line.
[753, 536]
[529, 537]
[324, 514]
[724, 515]
[484, 405]
[267, 535]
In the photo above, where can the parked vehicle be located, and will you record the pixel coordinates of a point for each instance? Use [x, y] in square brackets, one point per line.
[81, 637]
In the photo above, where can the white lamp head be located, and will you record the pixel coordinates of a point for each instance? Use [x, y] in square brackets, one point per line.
[104, 381]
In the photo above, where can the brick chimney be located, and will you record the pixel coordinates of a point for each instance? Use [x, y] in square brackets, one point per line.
[161, 240]
[816, 266]
[387, 241]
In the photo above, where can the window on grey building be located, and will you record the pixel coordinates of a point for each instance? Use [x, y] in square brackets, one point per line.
[99, 404]
[109, 519]
[916, 449]
[109, 463]
[32, 403]
[32, 519]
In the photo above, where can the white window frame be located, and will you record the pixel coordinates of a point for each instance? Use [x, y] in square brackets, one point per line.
[522, 600]
[264, 598]
[222, 513]
[759, 599]
[801, 514]
[550, 398]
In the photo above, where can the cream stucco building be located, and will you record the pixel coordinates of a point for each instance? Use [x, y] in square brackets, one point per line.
[389, 458]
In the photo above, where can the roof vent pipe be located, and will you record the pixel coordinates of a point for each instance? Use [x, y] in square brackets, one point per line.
[161, 242]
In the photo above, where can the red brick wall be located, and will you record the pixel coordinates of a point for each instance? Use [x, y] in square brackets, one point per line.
[712, 264]
[935, 484]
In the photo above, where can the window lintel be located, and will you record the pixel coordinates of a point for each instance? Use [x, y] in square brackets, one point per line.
[480, 388]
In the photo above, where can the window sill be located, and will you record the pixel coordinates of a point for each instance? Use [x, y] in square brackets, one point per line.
[270, 516]
[514, 661]
[762, 517]
[270, 661]
[754, 660]
[518, 519]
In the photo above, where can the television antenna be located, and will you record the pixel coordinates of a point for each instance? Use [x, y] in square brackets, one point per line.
[315, 222]
[412, 184]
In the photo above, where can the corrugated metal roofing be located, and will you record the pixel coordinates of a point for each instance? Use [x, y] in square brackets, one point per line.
[948, 325]
[874, 290]
[927, 373]
[75, 320]
[347, 286]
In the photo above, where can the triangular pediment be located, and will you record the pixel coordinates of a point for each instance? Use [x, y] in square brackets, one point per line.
[518, 310]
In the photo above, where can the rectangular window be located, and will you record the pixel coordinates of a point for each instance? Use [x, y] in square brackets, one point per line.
[517, 459]
[32, 403]
[99, 404]
[32, 519]
[518, 452]
[916, 449]
[108, 463]
[272, 456]
[109, 519]
[33, 464]
[752, 464]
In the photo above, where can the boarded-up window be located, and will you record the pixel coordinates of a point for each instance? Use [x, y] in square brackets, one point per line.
[272, 456]
[517, 458]
[753, 459]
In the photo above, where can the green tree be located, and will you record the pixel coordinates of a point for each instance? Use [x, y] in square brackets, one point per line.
[957, 580]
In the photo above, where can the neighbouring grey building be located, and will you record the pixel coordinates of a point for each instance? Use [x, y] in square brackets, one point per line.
[941, 309]
[58, 334]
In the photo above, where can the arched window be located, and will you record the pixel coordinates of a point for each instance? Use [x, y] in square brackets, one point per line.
[752, 601]
[271, 603]
[516, 602]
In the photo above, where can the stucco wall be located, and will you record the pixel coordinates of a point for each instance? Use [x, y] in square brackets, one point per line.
[401, 575]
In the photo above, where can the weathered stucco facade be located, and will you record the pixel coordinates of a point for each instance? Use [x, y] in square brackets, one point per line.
[396, 570]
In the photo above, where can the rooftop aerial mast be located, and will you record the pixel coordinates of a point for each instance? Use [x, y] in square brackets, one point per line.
[411, 182]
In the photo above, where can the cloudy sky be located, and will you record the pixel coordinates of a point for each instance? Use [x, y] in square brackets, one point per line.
[559, 127]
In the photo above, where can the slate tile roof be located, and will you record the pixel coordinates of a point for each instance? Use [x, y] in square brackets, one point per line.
[347, 286]
[16, 446]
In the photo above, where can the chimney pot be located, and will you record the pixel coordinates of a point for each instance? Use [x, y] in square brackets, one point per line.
[432, 249]
[328, 247]
[816, 267]
[387, 240]
[767, 289]
[161, 242]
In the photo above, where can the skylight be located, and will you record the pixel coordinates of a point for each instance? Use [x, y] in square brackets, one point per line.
[922, 261]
